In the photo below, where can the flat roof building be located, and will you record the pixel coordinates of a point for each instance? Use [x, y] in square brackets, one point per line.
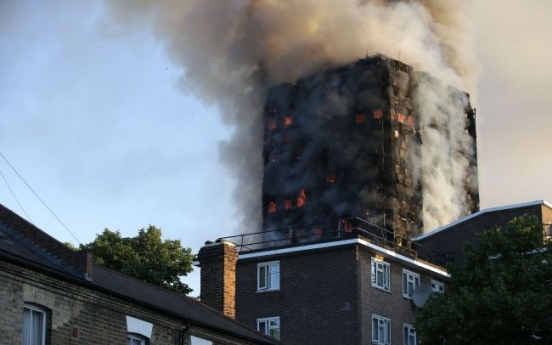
[356, 288]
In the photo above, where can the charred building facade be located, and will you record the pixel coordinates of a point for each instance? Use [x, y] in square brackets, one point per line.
[360, 142]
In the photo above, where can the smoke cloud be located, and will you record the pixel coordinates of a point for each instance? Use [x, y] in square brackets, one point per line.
[233, 51]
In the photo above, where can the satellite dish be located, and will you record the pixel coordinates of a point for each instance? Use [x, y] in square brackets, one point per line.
[420, 295]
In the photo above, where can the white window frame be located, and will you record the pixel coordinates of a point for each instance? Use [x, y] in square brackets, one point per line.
[132, 338]
[269, 326]
[409, 335]
[410, 281]
[381, 330]
[268, 276]
[29, 325]
[381, 274]
[437, 286]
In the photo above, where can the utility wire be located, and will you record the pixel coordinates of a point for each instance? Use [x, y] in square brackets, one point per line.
[39, 198]
[15, 197]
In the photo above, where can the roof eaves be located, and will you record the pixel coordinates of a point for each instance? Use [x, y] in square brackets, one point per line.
[479, 213]
[347, 242]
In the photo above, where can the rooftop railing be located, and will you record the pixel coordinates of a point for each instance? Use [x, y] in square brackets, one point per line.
[353, 227]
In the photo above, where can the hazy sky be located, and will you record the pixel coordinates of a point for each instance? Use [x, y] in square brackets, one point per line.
[93, 117]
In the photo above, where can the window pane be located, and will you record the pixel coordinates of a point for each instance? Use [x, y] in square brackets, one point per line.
[388, 332]
[387, 269]
[268, 276]
[262, 277]
[27, 330]
[274, 276]
[269, 326]
[37, 322]
[375, 329]
[275, 333]
[34, 323]
[261, 326]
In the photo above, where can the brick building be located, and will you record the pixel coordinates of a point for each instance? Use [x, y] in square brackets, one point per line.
[356, 288]
[448, 239]
[50, 295]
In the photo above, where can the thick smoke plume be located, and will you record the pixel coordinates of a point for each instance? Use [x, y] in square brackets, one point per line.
[233, 51]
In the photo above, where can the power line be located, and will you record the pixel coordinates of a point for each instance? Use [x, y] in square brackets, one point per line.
[39, 198]
[15, 197]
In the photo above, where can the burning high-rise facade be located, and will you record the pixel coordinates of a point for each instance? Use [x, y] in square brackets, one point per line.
[373, 140]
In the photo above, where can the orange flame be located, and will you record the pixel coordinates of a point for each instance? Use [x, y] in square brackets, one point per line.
[287, 204]
[301, 199]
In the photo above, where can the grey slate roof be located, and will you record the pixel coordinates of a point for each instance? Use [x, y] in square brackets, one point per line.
[24, 244]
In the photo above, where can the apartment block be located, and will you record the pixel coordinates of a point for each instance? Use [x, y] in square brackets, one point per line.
[354, 289]
[362, 140]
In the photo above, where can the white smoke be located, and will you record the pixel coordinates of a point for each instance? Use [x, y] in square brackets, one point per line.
[445, 153]
[233, 51]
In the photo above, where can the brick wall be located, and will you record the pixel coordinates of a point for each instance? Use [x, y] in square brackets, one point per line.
[327, 296]
[317, 301]
[390, 304]
[79, 315]
[218, 276]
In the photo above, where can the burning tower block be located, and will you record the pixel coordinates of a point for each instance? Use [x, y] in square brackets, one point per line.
[372, 141]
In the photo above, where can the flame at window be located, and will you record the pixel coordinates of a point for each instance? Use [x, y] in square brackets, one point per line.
[272, 207]
[287, 204]
[400, 117]
[347, 226]
[288, 121]
[331, 177]
[301, 199]
[271, 124]
[378, 114]
[360, 118]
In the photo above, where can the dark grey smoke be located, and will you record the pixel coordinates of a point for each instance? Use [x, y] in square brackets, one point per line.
[233, 51]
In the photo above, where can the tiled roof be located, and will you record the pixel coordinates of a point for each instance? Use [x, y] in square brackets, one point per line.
[24, 244]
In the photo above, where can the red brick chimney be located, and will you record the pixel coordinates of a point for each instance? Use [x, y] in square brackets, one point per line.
[218, 276]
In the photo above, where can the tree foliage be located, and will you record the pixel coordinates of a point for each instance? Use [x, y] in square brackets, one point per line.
[146, 257]
[500, 294]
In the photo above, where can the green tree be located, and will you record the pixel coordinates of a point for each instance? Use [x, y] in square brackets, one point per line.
[500, 294]
[146, 257]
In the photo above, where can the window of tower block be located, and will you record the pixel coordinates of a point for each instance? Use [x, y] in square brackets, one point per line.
[287, 204]
[301, 199]
[331, 177]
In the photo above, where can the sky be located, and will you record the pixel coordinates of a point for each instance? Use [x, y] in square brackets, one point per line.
[95, 121]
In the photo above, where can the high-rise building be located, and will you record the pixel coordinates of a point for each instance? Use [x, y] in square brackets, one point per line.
[371, 141]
